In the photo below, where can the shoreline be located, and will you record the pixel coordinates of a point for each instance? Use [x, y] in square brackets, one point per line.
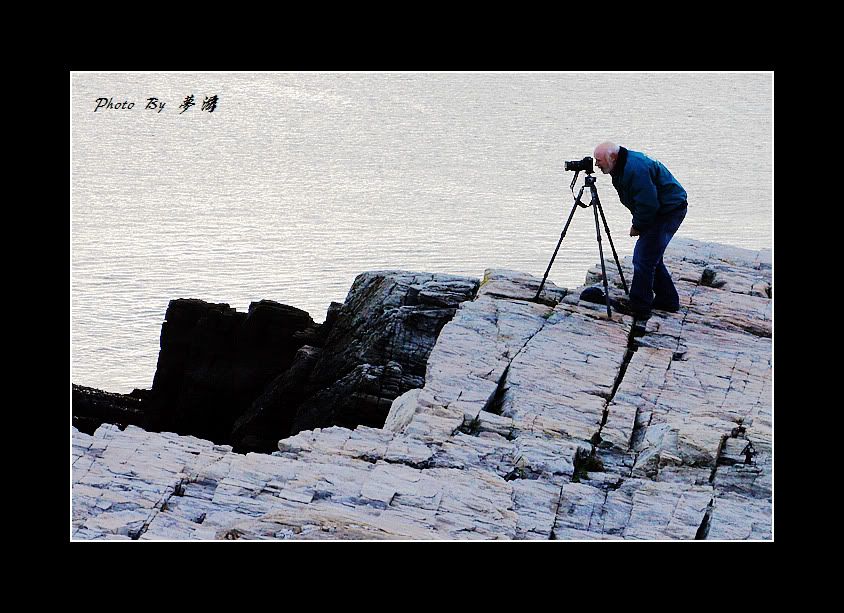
[520, 407]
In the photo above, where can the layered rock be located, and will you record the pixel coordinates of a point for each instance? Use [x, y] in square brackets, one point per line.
[376, 350]
[248, 379]
[93, 407]
[536, 421]
[379, 345]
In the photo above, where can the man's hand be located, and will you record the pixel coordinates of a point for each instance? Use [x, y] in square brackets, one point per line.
[633, 231]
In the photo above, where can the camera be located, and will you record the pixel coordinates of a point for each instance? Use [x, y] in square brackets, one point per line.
[578, 165]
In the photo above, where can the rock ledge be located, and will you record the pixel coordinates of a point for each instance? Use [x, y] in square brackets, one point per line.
[535, 421]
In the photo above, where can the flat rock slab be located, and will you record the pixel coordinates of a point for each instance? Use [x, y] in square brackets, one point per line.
[538, 419]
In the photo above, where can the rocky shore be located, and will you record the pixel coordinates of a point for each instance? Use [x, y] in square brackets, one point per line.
[439, 407]
[250, 379]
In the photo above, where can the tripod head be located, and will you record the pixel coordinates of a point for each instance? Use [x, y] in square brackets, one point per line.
[588, 181]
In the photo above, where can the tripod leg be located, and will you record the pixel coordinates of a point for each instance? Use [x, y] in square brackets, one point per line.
[614, 254]
[560, 242]
[603, 267]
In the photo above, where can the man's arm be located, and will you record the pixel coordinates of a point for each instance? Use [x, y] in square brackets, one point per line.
[644, 198]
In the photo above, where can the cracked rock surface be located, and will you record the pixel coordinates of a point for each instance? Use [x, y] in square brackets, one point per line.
[536, 420]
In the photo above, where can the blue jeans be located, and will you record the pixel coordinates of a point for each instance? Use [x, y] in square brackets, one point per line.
[652, 285]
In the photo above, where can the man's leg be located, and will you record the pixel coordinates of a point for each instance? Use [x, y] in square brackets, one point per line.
[665, 298]
[646, 255]
[649, 272]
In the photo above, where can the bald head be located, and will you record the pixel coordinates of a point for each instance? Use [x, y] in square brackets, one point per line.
[605, 156]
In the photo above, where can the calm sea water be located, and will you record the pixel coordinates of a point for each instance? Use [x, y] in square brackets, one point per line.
[297, 182]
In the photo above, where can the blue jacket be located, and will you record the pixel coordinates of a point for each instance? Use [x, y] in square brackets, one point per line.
[646, 187]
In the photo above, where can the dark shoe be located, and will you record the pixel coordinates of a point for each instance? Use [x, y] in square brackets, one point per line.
[667, 309]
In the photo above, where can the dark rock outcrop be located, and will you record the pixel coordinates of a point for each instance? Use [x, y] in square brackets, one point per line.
[379, 345]
[250, 379]
[93, 407]
[215, 361]
[270, 416]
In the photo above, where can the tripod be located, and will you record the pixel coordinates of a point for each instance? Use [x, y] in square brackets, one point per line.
[596, 208]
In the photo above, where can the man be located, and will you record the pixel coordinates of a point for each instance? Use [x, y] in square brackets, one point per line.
[658, 203]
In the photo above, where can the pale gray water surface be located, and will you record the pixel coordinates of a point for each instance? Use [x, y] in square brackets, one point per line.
[297, 182]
